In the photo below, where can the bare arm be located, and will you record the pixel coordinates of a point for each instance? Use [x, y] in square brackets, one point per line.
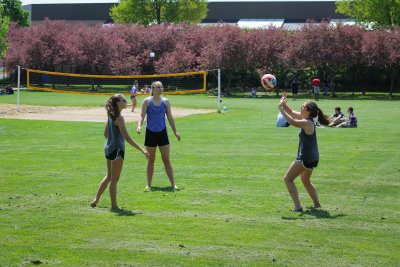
[105, 130]
[289, 111]
[145, 105]
[124, 132]
[296, 122]
[171, 119]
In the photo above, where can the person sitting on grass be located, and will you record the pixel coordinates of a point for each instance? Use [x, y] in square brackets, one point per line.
[351, 122]
[336, 118]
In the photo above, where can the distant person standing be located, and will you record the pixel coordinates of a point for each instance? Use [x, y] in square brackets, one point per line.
[316, 83]
[253, 93]
[133, 94]
[326, 87]
[295, 88]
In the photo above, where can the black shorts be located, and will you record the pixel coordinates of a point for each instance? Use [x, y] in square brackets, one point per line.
[154, 139]
[116, 154]
[310, 165]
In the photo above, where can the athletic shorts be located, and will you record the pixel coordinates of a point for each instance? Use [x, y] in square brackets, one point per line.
[133, 97]
[116, 154]
[154, 139]
[309, 165]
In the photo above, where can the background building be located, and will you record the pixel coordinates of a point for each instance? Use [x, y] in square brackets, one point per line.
[253, 14]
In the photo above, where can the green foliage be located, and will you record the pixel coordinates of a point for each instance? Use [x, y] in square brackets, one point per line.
[4, 24]
[145, 12]
[233, 208]
[378, 13]
[13, 10]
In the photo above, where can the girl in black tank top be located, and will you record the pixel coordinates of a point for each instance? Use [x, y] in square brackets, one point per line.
[307, 154]
[116, 134]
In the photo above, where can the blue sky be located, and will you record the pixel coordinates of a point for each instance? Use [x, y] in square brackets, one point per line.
[27, 2]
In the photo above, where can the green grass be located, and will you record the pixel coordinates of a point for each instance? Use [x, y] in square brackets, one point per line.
[233, 208]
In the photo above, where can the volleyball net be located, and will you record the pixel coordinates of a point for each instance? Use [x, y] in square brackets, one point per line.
[177, 83]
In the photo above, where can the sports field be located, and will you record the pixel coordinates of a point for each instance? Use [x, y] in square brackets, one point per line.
[233, 208]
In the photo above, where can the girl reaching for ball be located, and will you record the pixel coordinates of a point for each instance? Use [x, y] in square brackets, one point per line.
[307, 155]
[115, 133]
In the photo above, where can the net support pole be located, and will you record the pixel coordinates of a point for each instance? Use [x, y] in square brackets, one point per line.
[18, 86]
[219, 91]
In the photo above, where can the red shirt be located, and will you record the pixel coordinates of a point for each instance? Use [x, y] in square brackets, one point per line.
[316, 82]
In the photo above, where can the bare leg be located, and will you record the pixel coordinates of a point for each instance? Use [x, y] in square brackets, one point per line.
[116, 167]
[150, 164]
[134, 103]
[294, 170]
[167, 164]
[103, 185]
[306, 180]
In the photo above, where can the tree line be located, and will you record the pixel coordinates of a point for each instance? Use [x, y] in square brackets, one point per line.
[330, 52]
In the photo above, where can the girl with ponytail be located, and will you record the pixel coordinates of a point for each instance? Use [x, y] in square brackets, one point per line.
[307, 155]
[115, 133]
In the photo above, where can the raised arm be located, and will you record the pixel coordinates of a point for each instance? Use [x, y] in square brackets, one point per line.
[288, 110]
[295, 121]
[145, 105]
[125, 135]
[171, 119]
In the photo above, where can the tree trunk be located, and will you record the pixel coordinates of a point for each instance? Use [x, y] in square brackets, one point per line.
[333, 87]
[392, 83]
[158, 11]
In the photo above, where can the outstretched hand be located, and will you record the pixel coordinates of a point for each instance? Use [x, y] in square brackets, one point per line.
[178, 136]
[283, 101]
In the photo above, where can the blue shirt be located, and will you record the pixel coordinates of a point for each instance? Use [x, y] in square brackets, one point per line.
[281, 121]
[156, 116]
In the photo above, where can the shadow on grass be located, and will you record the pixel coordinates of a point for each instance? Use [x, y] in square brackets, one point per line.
[317, 213]
[122, 212]
[161, 189]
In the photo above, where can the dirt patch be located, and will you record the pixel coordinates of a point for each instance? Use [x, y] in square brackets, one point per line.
[90, 114]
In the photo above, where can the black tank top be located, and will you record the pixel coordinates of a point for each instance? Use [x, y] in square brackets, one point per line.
[308, 147]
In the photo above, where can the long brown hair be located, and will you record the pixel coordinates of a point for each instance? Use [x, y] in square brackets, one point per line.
[315, 111]
[112, 106]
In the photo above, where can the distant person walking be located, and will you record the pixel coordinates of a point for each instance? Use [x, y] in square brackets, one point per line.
[295, 88]
[133, 94]
[316, 83]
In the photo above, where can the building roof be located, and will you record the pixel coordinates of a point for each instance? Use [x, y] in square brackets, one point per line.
[248, 14]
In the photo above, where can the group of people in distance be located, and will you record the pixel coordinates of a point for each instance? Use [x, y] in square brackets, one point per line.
[155, 108]
[316, 87]
[338, 119]
[134, 91]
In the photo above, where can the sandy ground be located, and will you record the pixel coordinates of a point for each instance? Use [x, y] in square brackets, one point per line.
[92, 114]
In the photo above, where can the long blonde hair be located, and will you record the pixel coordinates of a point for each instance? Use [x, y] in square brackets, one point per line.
[153, 85]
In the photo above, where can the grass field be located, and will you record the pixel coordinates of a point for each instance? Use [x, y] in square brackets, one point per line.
[233, 208]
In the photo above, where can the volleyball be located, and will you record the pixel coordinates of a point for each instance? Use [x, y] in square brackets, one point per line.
[268, 81]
